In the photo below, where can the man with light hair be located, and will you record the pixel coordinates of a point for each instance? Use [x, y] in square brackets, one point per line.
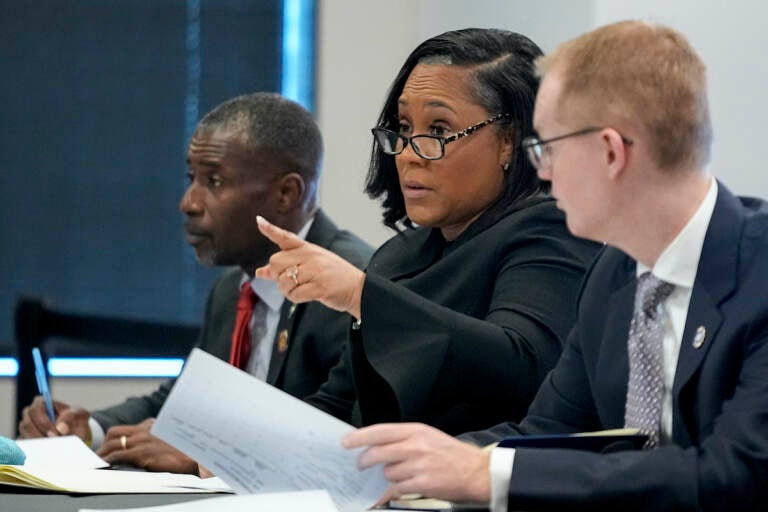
[672, 329]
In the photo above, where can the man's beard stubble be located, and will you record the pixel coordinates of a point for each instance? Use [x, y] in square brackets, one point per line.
[207, 258]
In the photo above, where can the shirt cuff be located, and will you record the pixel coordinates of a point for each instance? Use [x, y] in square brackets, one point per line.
[97, 433]
[502, 460]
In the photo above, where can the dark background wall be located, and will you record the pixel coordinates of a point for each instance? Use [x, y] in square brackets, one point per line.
[99, 98]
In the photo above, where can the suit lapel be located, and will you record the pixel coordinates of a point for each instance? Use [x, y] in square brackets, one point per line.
[281, 345]
[322, 233]
[231, 292]
[701, 327]
[323, 230]
[715, 281]
[613, 365]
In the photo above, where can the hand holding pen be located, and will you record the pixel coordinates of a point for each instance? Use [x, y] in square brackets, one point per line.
[42, 383]
[46, 417]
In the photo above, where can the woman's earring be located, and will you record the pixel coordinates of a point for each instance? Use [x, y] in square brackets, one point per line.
[505, 167]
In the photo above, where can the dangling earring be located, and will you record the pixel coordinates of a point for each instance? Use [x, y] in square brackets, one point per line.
[505, 167]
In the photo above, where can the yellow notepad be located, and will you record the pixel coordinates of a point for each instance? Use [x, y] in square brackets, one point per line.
[104, 481]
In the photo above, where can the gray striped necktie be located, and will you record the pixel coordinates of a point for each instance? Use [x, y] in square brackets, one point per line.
[645, 389]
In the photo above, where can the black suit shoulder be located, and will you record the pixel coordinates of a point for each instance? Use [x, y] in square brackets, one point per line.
[349, 246]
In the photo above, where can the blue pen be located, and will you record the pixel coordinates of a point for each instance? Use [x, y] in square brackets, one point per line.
[42, 383]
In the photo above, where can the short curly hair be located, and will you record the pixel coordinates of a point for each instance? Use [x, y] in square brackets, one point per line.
[275, 125]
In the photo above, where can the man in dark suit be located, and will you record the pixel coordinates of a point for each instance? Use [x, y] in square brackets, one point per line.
[253, 155]
[672, 328]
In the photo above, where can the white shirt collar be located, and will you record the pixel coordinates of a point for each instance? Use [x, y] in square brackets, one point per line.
[266, 289]
[679, 262]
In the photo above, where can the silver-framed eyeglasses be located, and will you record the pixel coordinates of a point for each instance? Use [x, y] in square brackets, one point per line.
[429, 147]
[537, 149]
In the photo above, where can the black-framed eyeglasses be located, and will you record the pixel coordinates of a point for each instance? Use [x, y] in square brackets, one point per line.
[535, 148]
[429, 147]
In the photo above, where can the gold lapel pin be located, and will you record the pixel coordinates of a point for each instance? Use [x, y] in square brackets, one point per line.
[698, 338]
[282, 341]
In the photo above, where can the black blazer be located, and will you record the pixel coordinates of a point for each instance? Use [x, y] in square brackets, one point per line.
[313, 334]
[719, 459]
[460, 335]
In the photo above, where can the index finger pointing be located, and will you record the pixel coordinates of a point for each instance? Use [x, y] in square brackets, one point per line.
[284, 239]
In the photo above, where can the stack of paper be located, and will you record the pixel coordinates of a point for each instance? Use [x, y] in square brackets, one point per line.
[69, 451]
[66, 464]
[259, 439]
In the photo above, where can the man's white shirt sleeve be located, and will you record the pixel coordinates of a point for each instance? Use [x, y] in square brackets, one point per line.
[502, 460]
[97, 433]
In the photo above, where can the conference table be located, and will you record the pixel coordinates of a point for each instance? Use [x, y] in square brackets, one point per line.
[17, 499]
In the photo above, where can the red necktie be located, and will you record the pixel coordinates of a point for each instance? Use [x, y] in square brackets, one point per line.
[241, 337]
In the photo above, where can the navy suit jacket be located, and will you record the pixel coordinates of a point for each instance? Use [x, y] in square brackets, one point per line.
[719, 456]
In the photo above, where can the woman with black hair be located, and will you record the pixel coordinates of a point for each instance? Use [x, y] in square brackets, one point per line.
[461, 314]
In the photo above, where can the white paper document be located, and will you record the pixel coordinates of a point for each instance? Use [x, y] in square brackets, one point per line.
[260, 439]
[69, 451]
[300, 501]
[66, 464]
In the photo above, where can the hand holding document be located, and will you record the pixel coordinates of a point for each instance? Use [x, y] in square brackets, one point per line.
[260, 439]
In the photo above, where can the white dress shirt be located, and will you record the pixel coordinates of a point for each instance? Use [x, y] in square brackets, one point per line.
[263, 326]
[677, 264]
